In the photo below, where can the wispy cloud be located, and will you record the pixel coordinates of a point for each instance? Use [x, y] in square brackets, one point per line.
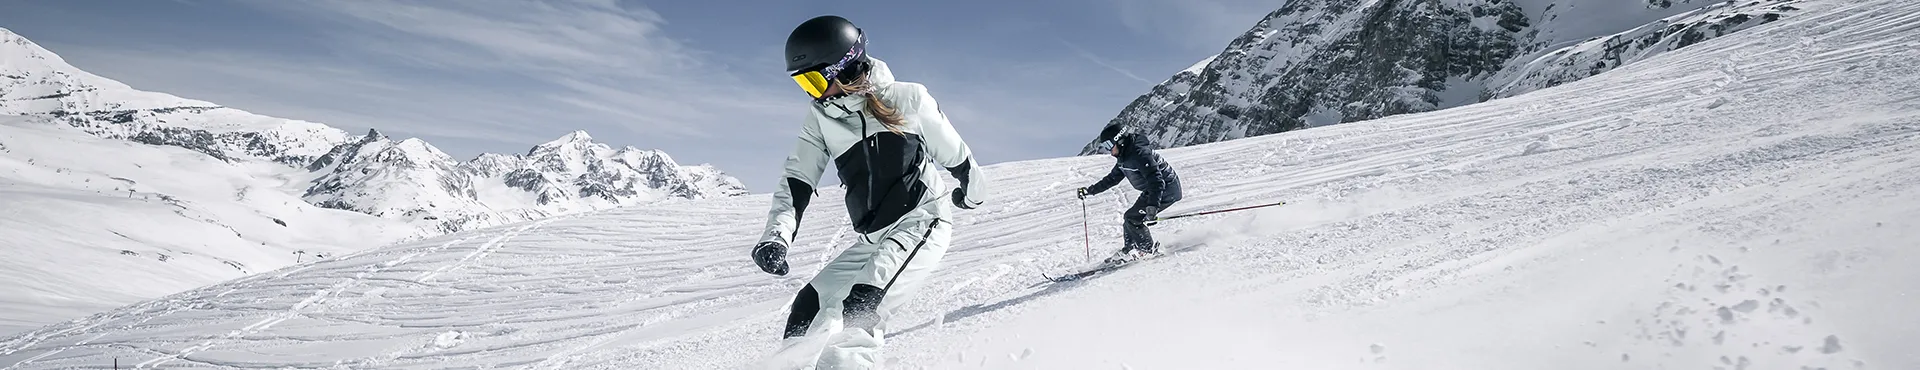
[598, 37]
[341, 96]
[1089, 56]
[1195, 25]
[537, 67]
[476, 76]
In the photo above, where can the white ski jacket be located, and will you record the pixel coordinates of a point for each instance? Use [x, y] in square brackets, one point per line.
[890, 177]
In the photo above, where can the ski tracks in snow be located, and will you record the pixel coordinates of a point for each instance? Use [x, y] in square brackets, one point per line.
[1427, 203]
[314, 300]
[480, 252]
[309, 305]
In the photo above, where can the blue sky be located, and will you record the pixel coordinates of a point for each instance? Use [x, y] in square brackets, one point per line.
[701, 80]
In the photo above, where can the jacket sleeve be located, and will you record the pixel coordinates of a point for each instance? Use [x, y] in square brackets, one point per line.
[790, 198]
[1113, 178]
[948, 149]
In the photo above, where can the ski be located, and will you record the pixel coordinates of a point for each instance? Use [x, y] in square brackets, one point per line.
[1103, 267]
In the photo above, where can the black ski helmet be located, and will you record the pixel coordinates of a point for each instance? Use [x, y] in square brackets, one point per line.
[827, 41]
[1109, 140]
[1111, 132]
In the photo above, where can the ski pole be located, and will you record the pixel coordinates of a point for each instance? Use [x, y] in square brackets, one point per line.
[1157, 220]
[1085, 233]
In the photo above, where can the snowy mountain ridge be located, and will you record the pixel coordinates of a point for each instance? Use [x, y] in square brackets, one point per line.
[407, 179]
[1600, 54]
[380, 176]
[1321, 62]
[35, 81]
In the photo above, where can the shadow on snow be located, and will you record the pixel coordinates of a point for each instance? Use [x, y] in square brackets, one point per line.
[1050, 288]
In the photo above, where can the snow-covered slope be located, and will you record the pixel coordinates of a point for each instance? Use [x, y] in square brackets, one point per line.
[1747, 202]
[1321, 62]
[1600, 54]
[92, 223]
[237, 170]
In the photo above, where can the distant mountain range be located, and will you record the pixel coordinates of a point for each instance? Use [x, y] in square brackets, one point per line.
[408, 179]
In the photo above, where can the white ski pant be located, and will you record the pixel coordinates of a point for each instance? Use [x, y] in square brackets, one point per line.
[851, 299]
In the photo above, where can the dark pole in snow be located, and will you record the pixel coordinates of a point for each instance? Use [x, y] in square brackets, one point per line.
[1157, 220]
[1086, 234]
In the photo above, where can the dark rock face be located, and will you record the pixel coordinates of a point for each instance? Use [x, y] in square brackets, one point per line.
[1321, 62]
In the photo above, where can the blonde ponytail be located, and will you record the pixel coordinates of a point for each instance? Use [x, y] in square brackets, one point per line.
[888, 116]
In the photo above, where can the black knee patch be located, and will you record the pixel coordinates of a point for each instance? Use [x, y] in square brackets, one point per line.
[863, 306]
[805, 306]
[1136, 215]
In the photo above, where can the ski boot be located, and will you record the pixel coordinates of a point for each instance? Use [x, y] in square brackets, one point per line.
[1129, 254]
[1124, 255]
[1153, 250]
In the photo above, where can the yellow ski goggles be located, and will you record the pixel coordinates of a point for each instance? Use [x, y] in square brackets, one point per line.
[813, 82]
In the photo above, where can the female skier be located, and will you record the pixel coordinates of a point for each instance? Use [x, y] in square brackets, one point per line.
[884, 138]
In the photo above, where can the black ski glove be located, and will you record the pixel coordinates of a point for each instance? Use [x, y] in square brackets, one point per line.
[960, 198]
[772, 257]
[1082, 193]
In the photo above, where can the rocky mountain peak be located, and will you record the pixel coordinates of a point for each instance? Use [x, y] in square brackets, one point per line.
[577, 136]
[1321, 62]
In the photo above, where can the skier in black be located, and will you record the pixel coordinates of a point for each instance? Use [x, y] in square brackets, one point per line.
[1159, 187]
